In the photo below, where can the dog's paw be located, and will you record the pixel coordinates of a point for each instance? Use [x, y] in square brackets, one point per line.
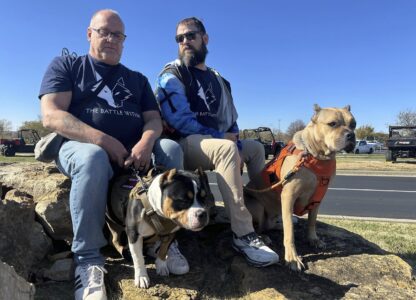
[161, 267]
[296, 265]
[317, 243]
[294, 262]
[141, 281]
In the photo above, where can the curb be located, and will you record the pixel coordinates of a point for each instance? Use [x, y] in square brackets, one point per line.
[367, 219]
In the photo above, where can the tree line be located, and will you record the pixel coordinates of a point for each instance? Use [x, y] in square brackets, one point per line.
[363, 132]
[366, 131]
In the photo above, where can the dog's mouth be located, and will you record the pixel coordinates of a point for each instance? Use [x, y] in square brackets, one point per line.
[349, 147]
[350, 142]
[198, 220]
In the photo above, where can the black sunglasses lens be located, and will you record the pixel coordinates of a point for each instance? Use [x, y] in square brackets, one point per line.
[179, 38]
[190, 36]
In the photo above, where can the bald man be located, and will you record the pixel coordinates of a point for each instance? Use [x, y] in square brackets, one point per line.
[110, 120]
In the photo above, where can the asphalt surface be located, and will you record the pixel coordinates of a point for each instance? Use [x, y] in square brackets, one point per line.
[371, 196]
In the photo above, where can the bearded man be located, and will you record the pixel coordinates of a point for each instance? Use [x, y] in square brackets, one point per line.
[198, 109]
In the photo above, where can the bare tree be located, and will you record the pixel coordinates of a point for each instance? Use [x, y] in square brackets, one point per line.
[364, 132]
[36, 125]
[5, 125]
[294, 127]
[406, 118]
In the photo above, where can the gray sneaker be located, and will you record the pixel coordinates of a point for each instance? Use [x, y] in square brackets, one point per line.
[254, 250]
[177, 263]
[89, 282]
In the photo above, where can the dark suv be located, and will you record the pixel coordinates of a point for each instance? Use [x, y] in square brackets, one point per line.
[401, 142]
[265, 136]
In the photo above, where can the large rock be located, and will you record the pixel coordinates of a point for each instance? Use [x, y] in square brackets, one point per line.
[54, 214]
[49, 189]
[13, 286]
[349, 268]
[23, 243]
[35, 179]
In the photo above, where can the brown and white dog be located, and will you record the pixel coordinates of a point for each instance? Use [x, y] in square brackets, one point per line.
[311, 169]
[180, 196]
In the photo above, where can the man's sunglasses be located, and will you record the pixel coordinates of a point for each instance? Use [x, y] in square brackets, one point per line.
[190, 36]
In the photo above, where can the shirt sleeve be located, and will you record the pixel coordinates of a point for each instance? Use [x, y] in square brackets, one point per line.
[177, 112]
[57, 77]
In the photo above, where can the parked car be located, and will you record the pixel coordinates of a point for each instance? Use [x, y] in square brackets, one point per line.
[362, 146]
[265, 136]
[376, 144]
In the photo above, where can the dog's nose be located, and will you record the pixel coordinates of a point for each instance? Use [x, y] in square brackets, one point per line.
[201, 216]
[350, 136]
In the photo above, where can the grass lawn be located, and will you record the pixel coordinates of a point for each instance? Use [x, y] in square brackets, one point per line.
[17, 158]
[397, 238]
[374, 162]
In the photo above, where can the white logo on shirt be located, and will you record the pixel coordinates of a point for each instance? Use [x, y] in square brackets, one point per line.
[207, 96]
[116, 96]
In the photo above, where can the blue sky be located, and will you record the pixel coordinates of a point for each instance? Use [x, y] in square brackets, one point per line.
[281, 57]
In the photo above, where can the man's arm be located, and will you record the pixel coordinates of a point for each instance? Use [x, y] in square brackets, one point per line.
[141, 153]
[55, 116]
[183, 119]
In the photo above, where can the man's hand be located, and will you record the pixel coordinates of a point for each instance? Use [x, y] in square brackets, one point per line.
[140, 157]
[231, 136]
[115, 150]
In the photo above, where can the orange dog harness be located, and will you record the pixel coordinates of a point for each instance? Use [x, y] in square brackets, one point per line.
[323, 169]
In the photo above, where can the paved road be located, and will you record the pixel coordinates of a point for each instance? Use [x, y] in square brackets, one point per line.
[371, 196]
[363, 196]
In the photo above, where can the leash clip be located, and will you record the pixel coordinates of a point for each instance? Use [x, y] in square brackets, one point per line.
[139, 178]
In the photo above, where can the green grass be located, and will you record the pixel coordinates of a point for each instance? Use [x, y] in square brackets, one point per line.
[17, 158]
[397, 238]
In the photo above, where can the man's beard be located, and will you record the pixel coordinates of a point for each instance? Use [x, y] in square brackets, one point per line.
[191, 59]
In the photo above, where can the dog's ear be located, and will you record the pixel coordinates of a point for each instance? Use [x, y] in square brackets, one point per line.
[167, 176]
[348, 107]
[203, 178]
[317, 109]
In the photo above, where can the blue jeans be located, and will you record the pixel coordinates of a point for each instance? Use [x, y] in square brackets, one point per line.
[90, 170]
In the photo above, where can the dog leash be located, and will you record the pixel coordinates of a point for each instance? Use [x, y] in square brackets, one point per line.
[299, 164]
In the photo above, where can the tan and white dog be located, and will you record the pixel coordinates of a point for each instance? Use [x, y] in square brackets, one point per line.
[310, 162]
[180, 197]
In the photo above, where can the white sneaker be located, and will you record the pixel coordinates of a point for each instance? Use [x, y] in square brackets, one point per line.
[89, 282]
[177, 263]
[254, 250]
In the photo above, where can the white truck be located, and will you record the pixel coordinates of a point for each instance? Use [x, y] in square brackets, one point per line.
[362, 146]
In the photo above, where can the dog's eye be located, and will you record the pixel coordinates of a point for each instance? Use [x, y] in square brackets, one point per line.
[203, 194]
[332, 124]
[190, 195]
[352, 125]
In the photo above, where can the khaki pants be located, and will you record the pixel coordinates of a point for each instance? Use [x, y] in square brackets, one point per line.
[223, 156]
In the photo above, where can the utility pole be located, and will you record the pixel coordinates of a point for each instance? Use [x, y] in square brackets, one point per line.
[279, 138]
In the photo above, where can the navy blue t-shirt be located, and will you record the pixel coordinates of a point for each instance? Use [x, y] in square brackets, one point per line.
[206, 103]
[116, 110]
